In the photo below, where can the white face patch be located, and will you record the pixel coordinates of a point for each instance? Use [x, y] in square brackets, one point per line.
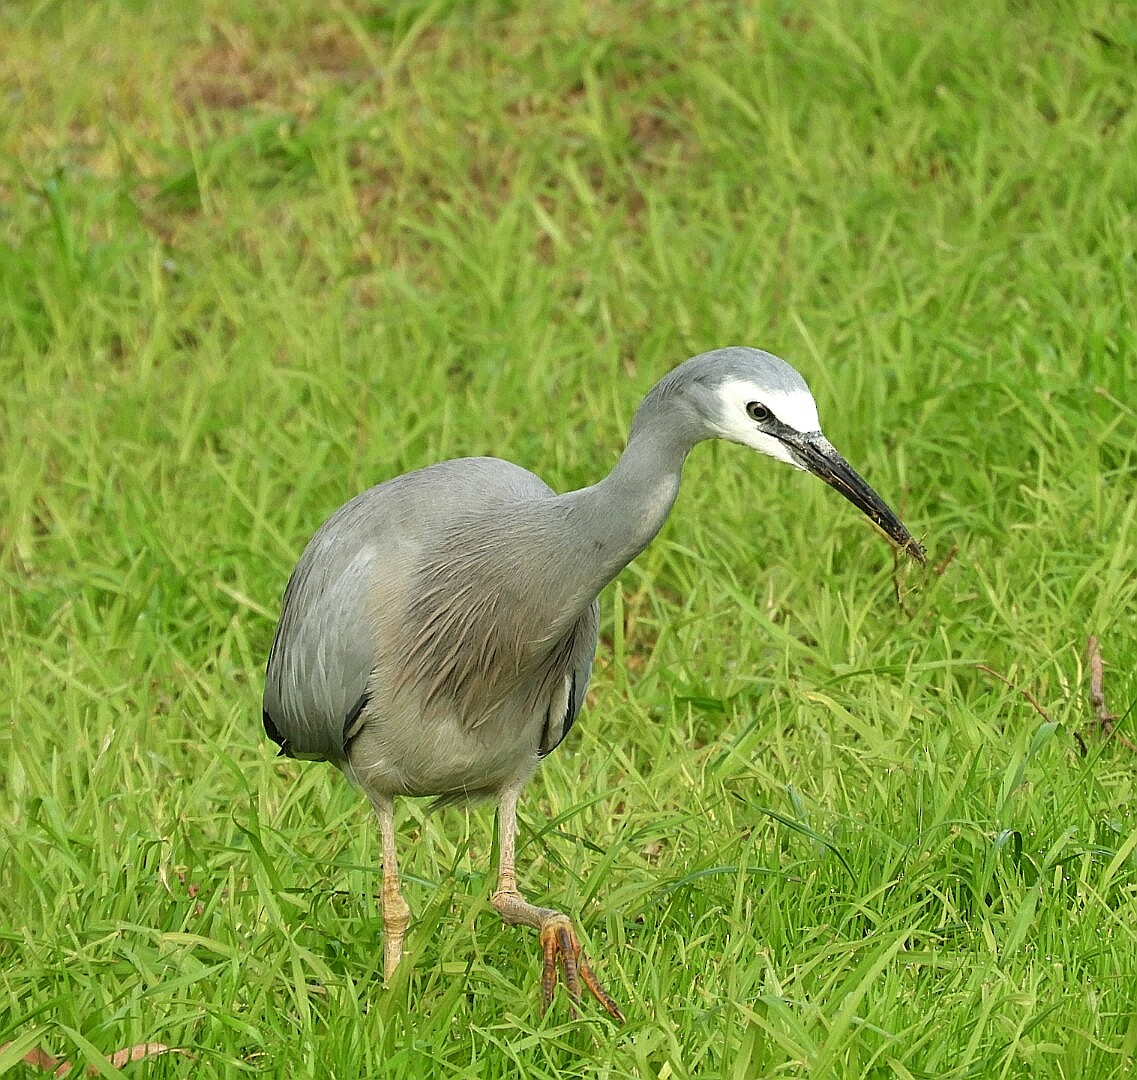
[795, 408]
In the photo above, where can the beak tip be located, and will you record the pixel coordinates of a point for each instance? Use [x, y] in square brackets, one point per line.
[906, 543]
[816, 455]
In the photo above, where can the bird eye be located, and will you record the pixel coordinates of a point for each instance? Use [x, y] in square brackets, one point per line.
[758, 412]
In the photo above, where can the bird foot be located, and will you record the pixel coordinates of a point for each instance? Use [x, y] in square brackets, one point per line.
[559, 943]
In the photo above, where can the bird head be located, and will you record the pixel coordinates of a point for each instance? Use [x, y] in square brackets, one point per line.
[754, 398]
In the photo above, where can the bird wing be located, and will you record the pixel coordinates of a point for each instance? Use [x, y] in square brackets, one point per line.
[565, 707]
[321, 656]
[350, 604]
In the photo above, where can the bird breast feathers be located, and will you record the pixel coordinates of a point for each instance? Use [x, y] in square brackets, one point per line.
[479, 630]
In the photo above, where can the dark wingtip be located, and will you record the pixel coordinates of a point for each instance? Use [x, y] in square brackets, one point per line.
[352, 723]
[273, 732]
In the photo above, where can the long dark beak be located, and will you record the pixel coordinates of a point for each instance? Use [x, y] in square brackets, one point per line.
[816, 454]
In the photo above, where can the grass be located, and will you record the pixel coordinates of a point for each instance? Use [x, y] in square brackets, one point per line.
[254, 260]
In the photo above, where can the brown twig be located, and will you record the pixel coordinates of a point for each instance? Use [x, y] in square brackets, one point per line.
[945, 562]
[1025, 693]
[1097, 695]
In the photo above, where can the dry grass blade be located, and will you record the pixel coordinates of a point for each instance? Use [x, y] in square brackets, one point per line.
[1097, 694]
[1025, 693]
[41, 1059]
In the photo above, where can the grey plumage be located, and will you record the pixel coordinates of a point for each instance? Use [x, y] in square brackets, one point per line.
[422, 606]
[438, 632]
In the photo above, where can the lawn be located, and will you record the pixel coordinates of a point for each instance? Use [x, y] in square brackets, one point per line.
[826, 814]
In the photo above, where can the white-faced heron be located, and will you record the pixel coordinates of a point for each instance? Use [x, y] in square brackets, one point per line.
[437, 634]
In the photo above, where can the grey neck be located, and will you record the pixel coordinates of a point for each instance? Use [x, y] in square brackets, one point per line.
[610, 523]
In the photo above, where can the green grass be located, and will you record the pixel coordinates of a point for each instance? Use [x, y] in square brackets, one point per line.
[252, 261]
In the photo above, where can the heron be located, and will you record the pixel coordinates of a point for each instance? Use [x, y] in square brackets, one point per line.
[438, 632]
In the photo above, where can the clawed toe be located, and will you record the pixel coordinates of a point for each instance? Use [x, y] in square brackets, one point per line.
[559, 944]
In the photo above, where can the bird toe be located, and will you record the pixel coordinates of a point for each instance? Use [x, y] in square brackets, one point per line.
[561, 947]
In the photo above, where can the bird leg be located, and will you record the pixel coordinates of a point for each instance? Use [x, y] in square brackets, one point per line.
[396, 914]
[558, 937]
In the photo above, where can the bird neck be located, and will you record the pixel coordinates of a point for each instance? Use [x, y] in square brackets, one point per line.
[610, 523]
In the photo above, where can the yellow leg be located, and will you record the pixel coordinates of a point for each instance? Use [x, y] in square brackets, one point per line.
[396, 914]
[559, 942]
